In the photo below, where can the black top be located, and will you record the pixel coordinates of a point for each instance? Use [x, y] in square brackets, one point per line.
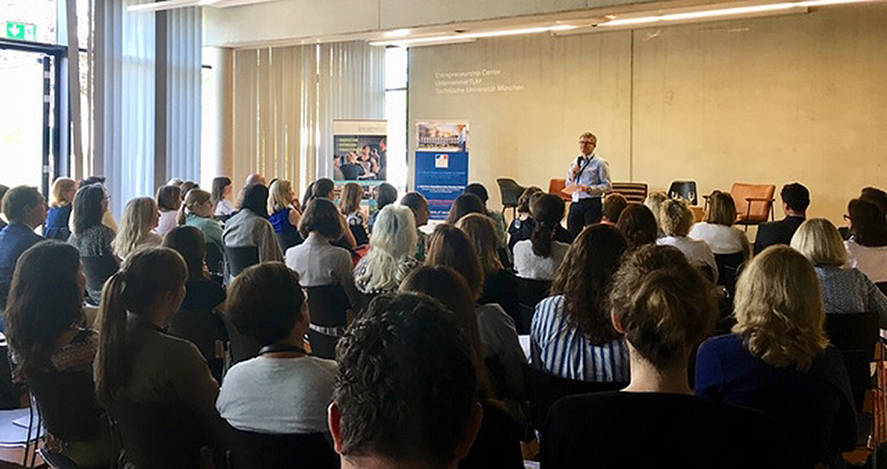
[203, 294]
[776, 232]
[630, 429]
[501, 288]
[520, 230]
[497, 443]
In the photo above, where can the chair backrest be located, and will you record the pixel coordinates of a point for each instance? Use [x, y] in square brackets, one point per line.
[529, 293]
[882, 286]
[544, 389]
[684, 190]
[757, 210]
[556, 187]
[258, 450]
[240, 346]
[240, 258]
[729, 266]
[288, 239]
[855, 335]
[215, 259]
[98, 269]
[510, 191]
[205, 329]
[67, 404]
[632, 191]
[156, 435]
[57, 460]
[328, 306]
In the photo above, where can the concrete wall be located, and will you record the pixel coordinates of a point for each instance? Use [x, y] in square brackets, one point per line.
[768, 100]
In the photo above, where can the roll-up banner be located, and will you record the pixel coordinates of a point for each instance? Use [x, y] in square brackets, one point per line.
[441, 163]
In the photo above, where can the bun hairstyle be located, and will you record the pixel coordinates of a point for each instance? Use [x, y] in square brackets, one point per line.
[195, 198]
[143, 278]
[548, 211]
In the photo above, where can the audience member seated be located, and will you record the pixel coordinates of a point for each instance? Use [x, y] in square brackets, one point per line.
[499, 284]
[421, 213]
[107, 217]
[497, 443]
[385, 194]
[612, 208]
[318, 262]
[381, 414]
[201, 292]
[480, 191]
[463, 205]
[284, 390]
[779, 361]
[197, 211]
[25, 209]
[876, 196]
[571, 335]
[139, 218]
[169, 200]
[654, 202]
[255, 178]
[284, 216]
[638, 225]
[675, 219]
[89, 234]
[522, 226]
[59, 216]
[845, 290]
[3, 190]
[349, 205]
[867, 246]
[717, 228]
[451, 247]
[54, 352]
[221, 197]
[143, 373]
[323, 188]
[390, 259]
[663, 313]
[539, 257]
[250, 225]
[795, 200]
[188, 186]
[175, 182]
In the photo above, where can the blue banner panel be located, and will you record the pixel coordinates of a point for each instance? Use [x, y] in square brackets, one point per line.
[441, 177]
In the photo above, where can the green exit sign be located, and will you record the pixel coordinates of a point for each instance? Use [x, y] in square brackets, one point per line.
[21, 31]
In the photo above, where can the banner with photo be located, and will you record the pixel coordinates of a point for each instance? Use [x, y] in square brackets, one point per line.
[360, 151]
[441, 163]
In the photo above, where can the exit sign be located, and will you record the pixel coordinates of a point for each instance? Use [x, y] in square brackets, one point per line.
[21, 31]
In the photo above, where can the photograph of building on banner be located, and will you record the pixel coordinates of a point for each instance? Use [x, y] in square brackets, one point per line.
[441, 164]
[360, 150]
[443, 136]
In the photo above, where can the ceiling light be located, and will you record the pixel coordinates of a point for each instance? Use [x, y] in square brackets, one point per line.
[398, 33]
[429, 40]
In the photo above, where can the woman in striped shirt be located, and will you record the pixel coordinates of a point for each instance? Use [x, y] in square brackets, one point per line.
[571, 334]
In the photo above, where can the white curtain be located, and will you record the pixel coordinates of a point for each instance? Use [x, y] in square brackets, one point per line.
[183, 95]
[124, 95]
[285, 100]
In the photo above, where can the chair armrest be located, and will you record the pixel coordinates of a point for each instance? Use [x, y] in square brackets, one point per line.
[759, 199]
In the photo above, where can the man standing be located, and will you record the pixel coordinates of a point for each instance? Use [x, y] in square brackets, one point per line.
[590, 177]
[383, 159]
[795, 200]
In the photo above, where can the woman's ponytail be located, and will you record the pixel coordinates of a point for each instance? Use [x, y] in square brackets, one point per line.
[542, 238]
[111, 367]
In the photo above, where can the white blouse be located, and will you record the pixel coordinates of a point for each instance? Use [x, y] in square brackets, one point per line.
[528, 265]
[872, 261]
[720, 238]
[697, 251]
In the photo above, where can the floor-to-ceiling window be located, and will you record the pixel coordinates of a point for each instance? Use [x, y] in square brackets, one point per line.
[396, 84]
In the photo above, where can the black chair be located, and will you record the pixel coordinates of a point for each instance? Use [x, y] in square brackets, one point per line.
[67, 404]
[56, 460]
[240, 346]
[206, 329]
[509, 191]
[257, 450]
[98, 270]
[288, 239]
[882, 286]
[729, 266]
[684, 190]
[215, 259]
[544, 389]
[855, 335]
[328, 306]
[155, 435]
[529, 293]
[241, 257]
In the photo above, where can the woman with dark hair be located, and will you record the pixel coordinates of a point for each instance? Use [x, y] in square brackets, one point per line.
[571, 335]
[284, 390]
[221, 192]
[201, 292]
[140, 367]
[89, 235]
[539, 257]
[463, 205]
[385, 194]
[250, 225]
[638, 224]
[49, 341]
[323, 187]
[480, 191]
[169, 201]
[522, 226]
[867, 246]
[349, 205]
[497, 442]
[451, 247]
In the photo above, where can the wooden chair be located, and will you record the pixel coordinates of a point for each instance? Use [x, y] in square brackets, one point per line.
[529, 293]
[556, 187]
[510, 191]
[632, 191]
[328, 306]
[754, 203]
[252, 450]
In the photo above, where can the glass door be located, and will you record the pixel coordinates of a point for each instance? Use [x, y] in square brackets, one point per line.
[25, 87]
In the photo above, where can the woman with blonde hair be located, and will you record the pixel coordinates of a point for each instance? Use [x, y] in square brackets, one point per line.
[349, 205]
[139, 217]
[59, 214]
[654, 202]
[499, 285]
[778, 360]
[844, 290]
[283, 215]
[717, 227]
[390, 260]
[675, 219]
[197, 211]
